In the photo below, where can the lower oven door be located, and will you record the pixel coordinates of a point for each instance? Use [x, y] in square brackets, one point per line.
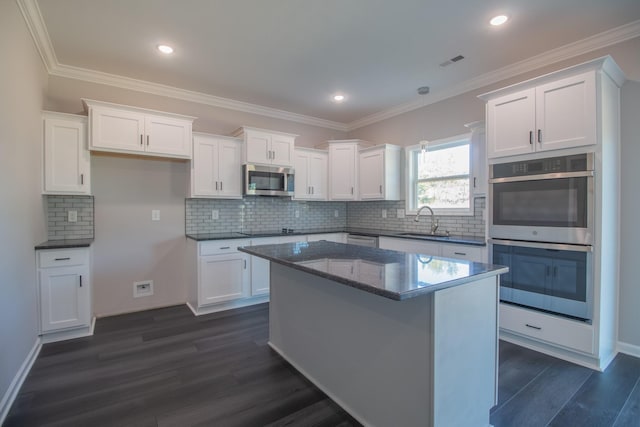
[552, 277]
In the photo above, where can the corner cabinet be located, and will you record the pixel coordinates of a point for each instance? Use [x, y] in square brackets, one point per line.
[266, 147]
[310, 174]
[122, 129]
[555, 111]
[379, 173]
[66, 163]
[64, 288]
[216, 167]
[343, 168]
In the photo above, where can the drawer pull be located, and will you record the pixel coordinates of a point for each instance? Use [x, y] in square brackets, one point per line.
[537, 328]
[459, 253]
[80, 281]
[225, 247]
[62, 259]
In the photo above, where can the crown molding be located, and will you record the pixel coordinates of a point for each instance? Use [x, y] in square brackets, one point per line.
[33, 18]
[571, 50]
[38, 29]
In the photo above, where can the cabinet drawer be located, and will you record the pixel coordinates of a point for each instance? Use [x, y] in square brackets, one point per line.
[540, 326]
[467, 252]
[62, 257]
[218, 247]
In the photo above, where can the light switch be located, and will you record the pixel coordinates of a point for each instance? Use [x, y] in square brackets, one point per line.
[215, 214]
[384, 213]
[336, 213]
[72, 216]
[155, 215]
[400, 213]
[297, 214]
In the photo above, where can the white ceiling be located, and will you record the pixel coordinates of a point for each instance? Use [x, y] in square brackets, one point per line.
[293, 54]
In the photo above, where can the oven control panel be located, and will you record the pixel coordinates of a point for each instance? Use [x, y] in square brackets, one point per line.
[575, 163]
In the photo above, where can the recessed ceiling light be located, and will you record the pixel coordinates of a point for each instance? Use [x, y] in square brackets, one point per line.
[498, 20]
[338, 97]
[165, 49]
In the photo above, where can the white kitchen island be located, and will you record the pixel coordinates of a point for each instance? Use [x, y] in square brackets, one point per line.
[395, 339]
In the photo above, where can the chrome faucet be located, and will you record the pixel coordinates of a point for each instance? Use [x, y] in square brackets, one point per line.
[434, 221]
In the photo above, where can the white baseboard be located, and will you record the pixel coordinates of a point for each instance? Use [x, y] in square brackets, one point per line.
[18, 379]
[630, 349]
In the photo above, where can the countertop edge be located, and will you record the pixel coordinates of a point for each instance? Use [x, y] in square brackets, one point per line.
[64, 244]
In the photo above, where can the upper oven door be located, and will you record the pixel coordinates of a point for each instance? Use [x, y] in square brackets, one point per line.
[554, 207]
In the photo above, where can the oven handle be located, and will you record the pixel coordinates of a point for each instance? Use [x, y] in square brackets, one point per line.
[542, 176]
[541, 245]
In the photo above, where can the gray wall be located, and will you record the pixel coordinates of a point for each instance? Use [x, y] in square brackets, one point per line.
[629, 330]
[22, 222]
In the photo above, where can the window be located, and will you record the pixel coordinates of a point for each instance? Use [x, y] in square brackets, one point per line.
[439, 175]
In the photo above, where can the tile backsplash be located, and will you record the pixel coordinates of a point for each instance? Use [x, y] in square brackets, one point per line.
[275, 213]
[369, 215]
[261, 214]
[58, 226]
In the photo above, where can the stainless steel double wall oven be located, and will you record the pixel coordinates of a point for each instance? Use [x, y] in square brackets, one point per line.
[541, 226]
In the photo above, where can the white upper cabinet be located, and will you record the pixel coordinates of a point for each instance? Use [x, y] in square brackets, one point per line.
[310, 174]
[543, 114]
[66, 162]
[265, 147]
[123, 129]
[478, 158]
[379, 173]
[216, 170]
[343, 168]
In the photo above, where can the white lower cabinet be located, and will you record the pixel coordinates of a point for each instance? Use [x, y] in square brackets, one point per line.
[426, 247]
[260, 271]
[64, 287]
[329, 237]
[223, 275]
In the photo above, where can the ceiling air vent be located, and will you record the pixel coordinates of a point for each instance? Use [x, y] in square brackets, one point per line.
[452, 60]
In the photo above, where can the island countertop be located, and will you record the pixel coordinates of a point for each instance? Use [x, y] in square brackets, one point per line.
[390, 274]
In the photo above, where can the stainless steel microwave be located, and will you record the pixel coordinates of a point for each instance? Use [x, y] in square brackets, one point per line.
[268, 180]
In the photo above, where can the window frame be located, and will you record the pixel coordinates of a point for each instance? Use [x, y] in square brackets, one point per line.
[411, 173]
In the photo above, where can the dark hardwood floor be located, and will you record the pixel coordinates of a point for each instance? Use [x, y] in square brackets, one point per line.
[166, 367]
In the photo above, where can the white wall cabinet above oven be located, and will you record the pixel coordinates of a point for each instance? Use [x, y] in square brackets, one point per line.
[66, 162]
[265, 147]
[123, 129]
[216, 170]
[555, 111]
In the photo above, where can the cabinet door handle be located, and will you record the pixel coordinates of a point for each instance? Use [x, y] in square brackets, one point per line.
[540, 136]
[474, 182]
[225, 247]
[147, 140]
[313, 190]
[460, 253]
[351, 190]
[380, 188]
[245, 264]
[80, 280]
[141, 136]
[531, 137]
[81, 179]
[220, 185]
[62, 259]
[537, 328]
[308, 190]
[216, 185]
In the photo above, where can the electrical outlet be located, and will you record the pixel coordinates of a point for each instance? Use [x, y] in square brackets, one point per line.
[155, 215]
[384, 213]
[297, 214]
[336, 213]
[215, 214]
[143, 289]
[72, 216]
[400, 213]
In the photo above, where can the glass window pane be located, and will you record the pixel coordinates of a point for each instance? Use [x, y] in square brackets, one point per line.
[444, 194]
[446, 161]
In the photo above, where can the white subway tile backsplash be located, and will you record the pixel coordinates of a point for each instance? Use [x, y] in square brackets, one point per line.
[58, 228]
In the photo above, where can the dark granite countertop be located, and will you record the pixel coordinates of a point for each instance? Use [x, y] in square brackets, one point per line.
[65, 244]
[360, 231]
[391, 274]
